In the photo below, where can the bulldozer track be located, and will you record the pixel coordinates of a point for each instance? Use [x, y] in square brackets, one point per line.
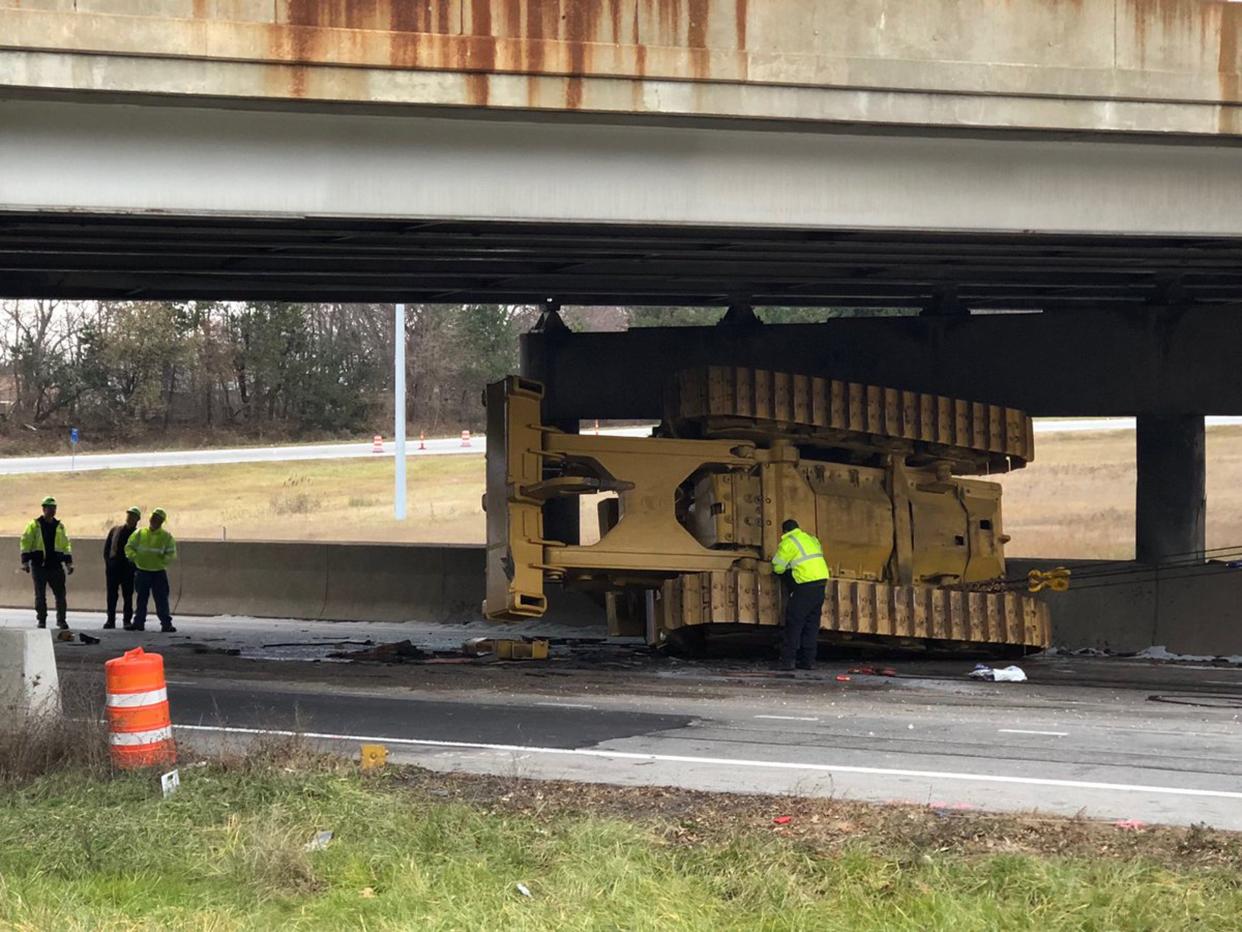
[856, 608]
[974, 437]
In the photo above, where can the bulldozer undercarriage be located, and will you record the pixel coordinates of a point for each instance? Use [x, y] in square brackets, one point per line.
[688, 517]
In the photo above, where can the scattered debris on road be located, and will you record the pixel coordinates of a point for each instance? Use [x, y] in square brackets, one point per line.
[479, 647]
[475, 650]
[86, 638]
[872, 671]
[1008, 674]
[536, 649]
[395, 652]
[200, 648]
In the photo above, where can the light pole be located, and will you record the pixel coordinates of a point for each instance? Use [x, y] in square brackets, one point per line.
[398, 407]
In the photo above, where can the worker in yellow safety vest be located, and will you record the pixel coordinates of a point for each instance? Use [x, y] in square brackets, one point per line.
[802, 557]
[47, 556]
[151, 549]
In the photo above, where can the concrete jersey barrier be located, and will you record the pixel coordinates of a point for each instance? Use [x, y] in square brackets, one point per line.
[298, 579]
[1194, 610]
[1191, 610]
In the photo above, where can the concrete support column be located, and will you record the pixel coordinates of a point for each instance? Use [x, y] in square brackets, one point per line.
[1171, 499]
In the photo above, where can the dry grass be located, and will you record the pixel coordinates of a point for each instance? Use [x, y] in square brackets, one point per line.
[1075, 500]
[691, 817]
[313, 500]
[78, 741]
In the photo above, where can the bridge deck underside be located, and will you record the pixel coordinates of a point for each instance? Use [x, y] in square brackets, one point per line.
[59, 255]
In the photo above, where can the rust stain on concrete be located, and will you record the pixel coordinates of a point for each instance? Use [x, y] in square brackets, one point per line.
[565, 39]
[1154, 20]
[296, 45]
[430, 16]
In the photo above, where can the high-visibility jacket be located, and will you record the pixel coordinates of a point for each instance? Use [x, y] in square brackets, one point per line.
[801, 554]
[151, 550]
[34, 549]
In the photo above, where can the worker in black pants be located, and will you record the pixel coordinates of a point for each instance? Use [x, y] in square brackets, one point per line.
[802, 557]
[47, 556]
[118, 571]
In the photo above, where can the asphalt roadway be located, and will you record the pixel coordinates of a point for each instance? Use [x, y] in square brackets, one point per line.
[441, 446]
[1106, 738]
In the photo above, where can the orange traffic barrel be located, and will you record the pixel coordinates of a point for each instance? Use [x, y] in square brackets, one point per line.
[139, 727]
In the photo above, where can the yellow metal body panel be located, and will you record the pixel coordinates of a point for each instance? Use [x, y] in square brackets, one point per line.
[647, 535]
[514, 522]
[853, 518]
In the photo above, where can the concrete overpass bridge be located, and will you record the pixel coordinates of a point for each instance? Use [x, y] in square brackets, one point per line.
[1075, 158]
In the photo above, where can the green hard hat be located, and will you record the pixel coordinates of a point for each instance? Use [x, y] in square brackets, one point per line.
[49, 501]
[134, 510]
[160, 512]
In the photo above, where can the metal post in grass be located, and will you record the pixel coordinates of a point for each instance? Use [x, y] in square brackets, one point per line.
[398, 405]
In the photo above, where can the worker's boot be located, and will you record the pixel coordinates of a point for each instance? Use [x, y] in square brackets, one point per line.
[168, 629]
[63, 625]
[109, 624]
[43, 624]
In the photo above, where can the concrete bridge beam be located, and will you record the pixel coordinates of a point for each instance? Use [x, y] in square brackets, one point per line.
[1120, 362]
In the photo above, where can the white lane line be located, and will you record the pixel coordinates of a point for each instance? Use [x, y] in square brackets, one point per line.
[724, 762]
[788, 718]
[1023, 731]
[565, 705]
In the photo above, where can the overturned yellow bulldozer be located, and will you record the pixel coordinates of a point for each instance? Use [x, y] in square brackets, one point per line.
[688, 517]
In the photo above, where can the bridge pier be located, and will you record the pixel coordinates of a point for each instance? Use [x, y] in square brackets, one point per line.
[1170, 499]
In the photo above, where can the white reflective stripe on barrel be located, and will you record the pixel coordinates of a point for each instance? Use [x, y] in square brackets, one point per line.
[135, 738]
[136, 700]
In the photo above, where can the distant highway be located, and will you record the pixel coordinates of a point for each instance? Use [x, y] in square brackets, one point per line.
[1107, 424]
[358, 449]
[443, 446]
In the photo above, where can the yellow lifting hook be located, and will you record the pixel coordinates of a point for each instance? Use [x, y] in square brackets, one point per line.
[1056, 579]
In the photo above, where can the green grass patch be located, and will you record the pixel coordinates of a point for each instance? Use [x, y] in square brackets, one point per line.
[229, 852]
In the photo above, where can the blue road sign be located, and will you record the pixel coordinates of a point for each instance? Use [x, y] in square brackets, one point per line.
[73, 435]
